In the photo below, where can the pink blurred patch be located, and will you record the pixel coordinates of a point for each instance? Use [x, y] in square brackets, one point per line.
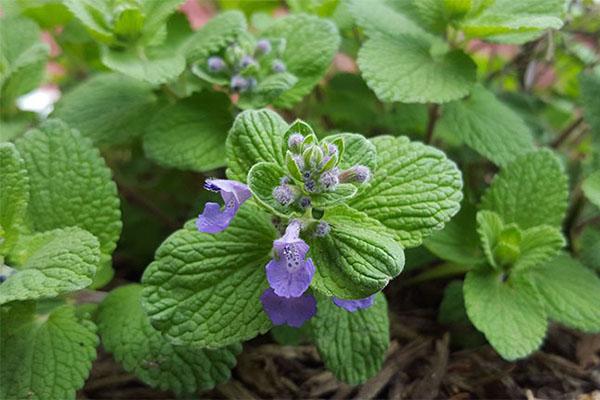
[55, 49]
[344, 63]
[55, 70]
[507, 51]
[280, 12]
[197, 14]
[545, 76]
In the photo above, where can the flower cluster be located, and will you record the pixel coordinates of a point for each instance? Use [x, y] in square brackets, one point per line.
[290, 271]
[241, 66]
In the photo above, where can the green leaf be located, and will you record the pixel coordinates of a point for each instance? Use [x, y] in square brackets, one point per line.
[52, 263]
[570, 292]
[286, 335]
[311, 43]
[154, 65]
[255, 136]
[412, 69]
[539, 245]
[22, 58]
[47, 13]
[382, 18]
[352, 344]
[508, 21]
[509, 313]
[591, 188]
[452, 307]
[156, 13]
[13, 196]
[531, 190]
[126, 332]
[589, 84]
[108, 108]
[216, 34]
[356, 258]
[589, 252]
[490, 228]
[487, 125]
[70, 184]
[191, 133]
[262, 179]
[414, 191]
[204, 289]
[343, 192]
[267, 90]
[458, 241]
[358, 150]
[94, 15]
[44, 356]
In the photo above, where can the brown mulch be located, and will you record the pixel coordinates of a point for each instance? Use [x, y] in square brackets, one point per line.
[422, 363]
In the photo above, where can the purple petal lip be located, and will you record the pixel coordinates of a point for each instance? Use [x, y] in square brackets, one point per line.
[294, 311]
[354, 305]
[214, 219]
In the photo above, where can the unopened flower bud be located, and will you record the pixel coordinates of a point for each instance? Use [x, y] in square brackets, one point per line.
[295, 142]
[332, 148]
[263, 46]
[313, 156]
[238, 83]
[252, 83]
[358, 174]
[310, 185]
[215, 64]
[322, 229]
[278, 66]
[304, 202]
[284, 195]
[329, 180]
[247, 61]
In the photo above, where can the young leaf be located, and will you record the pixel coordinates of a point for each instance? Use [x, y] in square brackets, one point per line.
[255, 136]
[570, 291]
[412, 69]
[591, 188]
[356, 258]
[51, 263]
[538, 246]
[352, 344]
[267, 90]
[126, 332]
[510, 313]
[529, 191]
[489, 228]
[93, 14]
[44, 356]
[487, 126]
[343, 192]
[358, 150]
[204, 289]
[155, 65]
[414, 190]
[262, 179]
[156, 14]
[108, 108]
[311, 43]
[13, 196]
[191, 133]
[70, 184]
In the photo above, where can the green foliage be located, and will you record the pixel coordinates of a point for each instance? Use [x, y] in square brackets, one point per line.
[13, 197]
[352, 344]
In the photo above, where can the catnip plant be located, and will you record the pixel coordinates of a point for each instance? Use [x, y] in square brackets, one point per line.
[279, 171]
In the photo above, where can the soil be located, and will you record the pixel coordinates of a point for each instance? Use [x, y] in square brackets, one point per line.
[422, 363]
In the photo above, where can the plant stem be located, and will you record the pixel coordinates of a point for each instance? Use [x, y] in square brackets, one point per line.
[433, 117]
[441, 271]
[566, 133]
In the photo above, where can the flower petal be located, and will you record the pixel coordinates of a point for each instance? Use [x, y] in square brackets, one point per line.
[213, 219]
[290, 280]
[293, 311]
[354, 305]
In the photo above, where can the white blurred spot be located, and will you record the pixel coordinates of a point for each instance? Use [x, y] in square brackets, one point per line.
[40, 101]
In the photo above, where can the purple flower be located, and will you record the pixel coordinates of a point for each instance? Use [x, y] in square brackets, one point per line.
[289, 273]
[213, 219]
[329, 179]
[284, 194]
[278, 66]
[263, 46]
[358, 173]
[238, 83]
[322, 229]
[247, 61]
[215, 64]
[293, 311]
[353, 305]
[295, 142]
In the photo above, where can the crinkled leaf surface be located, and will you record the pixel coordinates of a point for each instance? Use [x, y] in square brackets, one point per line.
[191, 133]
[155, 66]
[352, 344]
[14, 195]
[410, 69]
[204, 289]
[531, 190]
[126, 332]
[570, 291]
[70, 184]
[311, 43]
[255, 136]
[44, 356]
[489, 228]
[539, 245]
[52, 263]
[262, 179]
[487, 125]
[108, 108]
[357, 258]
[384, 18]
[414, 190]
[510, 313]
[214, 35]
[358, 150]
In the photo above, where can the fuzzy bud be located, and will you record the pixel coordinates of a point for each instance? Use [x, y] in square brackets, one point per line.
[247, 61]
[310, 185]
[278, 66]
[313, 156]
[295, 142]
[284, 195]
[358, 174]
[322, 229]
[238, 83]
[215, 64]
[304, 202]
[329, 180]
[263, 46]
[332, 148]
